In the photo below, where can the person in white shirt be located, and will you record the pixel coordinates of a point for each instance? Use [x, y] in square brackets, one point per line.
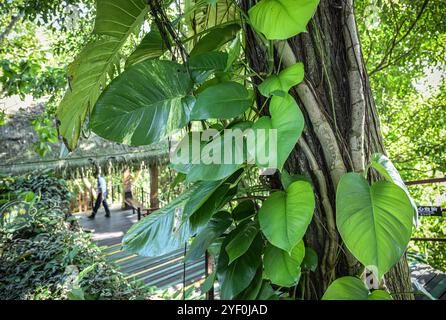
[102, 197]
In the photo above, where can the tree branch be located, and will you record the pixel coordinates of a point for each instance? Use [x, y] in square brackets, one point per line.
[8, 29]
[396, 41]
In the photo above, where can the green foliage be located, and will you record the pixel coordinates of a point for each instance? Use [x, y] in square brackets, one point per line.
[225, 100]
[38, 38]
[145, 113]
[280, 84]
[375, 221]
[151, 46]
[98, 63]
[46, 134]
[208, 85]
[288, 120]
[236, 276]
[282, 19]
[243, 238]
[351, 288]
[282, 267]
[45, 186]
[162, 231]
[216, 38]
[285, 216]
[218, 224]
[403, 47]
[45, 255]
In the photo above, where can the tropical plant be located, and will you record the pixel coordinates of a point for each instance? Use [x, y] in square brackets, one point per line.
[46, 255]
[290, 65]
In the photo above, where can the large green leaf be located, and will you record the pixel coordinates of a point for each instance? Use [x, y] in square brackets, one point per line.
[288, 120]
[152, 46]
[202, 193]
[215, 61]
[282, 19]
[163, 231]
[379, 295]
[224, 100]
[119, 18]
[374, 222]
[186, 161]
[87, 75]
[209, 197]
[252, 291]
[236, 277]
[352, 288]
[144, 104]
[244, 210]
[242, 240]
[280, 84]
[216, 201]
[285, 216]
[346, 288]
[97, 63]
[217, 37]
[281, 267]
[215, 227]
[386, 168]
[204, 64]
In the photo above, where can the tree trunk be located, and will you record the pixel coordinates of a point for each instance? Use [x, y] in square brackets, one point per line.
[154, 199]
[341, 129]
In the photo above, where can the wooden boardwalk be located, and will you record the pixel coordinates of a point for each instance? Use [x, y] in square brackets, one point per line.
[167, 271]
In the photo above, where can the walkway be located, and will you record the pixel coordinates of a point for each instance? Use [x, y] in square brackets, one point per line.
[166, 271]
[428, 282]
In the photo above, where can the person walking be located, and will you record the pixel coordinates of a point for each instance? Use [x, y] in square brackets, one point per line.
[101, 198]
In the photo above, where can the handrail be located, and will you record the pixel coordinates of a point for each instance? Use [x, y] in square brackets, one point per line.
[429, 239]
[425, 181]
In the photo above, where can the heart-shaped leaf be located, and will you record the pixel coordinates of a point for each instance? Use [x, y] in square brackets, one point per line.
[288, 121]
[242, 240]
[282, 19]
[374, 222]
[281, 267]
[346, 288]
[285, 216]
[244, 210]
[204, 64]
[236, 277]
[352, 288]
[224, 100]
[280, 84]
[385, 167]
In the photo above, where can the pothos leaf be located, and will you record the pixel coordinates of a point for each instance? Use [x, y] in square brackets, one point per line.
[280, 84]
[285, 216]
[374, 222]
[282, 19]
[144, 104]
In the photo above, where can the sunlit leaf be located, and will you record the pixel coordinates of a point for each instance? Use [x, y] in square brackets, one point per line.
[374, 222]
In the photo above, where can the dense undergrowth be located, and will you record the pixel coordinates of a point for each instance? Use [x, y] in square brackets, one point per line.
[44, 254]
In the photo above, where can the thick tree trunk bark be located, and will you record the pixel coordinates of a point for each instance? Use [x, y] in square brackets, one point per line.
[341, 131]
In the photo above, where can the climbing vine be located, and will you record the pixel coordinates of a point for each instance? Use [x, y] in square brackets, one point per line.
[190, 72]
